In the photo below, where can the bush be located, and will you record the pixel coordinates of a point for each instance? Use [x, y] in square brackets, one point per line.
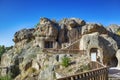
[65, 61]
[118, 32]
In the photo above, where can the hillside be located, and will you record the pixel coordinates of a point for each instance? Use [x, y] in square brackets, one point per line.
[55, 49]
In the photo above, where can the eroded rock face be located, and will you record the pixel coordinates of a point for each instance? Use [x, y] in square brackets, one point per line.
[69, 28]
[103, 43]
[47, 29]
[72, 22]
[113, 28]
[29, 60]
[76, 32]
[5, 61]
[113, 33]
[90, 28]
[23, 34]
[118, 57]
[47, 74]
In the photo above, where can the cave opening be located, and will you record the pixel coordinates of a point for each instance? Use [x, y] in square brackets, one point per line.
[95, 54]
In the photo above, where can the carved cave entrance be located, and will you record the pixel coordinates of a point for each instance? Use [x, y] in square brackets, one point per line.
[114, 61]
[48, 44]
[95, 54]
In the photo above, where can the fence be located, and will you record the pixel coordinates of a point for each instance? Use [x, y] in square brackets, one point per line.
[101, 73]
[65, 51]
[97, 74]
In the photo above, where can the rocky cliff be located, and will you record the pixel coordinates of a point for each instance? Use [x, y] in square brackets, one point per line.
[33, 57]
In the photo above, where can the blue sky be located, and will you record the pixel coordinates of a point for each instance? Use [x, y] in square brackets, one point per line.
[18, 14]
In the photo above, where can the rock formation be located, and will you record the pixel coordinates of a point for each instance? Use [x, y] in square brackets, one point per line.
[118, 57]
[105, 45]
[113, 29]
[23, 34]
[33, 57]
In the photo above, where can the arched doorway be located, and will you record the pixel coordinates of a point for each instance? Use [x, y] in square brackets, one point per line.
[95, 54]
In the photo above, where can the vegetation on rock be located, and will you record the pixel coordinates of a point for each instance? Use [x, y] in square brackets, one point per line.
[65, 61]
[118, 32]
[3, 49]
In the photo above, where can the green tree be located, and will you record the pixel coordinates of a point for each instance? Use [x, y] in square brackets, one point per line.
[8, 48]
[2, 50]
[118, 32]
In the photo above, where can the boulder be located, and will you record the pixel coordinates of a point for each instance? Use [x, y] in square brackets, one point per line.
[46, 29]
[91, 28]
[23, 34]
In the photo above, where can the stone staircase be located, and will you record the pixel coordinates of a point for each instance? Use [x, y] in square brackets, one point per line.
[71, 44]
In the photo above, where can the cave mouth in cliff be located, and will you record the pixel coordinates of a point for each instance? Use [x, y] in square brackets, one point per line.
[94, 54]
[114, 61]
[48, 44]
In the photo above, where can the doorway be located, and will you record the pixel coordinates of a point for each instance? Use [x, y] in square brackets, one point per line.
[94, 54]
[48, 44]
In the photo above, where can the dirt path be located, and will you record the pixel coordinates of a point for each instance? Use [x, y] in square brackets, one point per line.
[114, 72]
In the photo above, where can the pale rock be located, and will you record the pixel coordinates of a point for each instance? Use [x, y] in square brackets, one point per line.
[118, 58]
[106, 46]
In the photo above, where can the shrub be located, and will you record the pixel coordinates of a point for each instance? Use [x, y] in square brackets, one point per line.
[118, 32]
[65, 61]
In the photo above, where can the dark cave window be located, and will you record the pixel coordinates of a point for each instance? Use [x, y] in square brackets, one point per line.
[48, 44]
